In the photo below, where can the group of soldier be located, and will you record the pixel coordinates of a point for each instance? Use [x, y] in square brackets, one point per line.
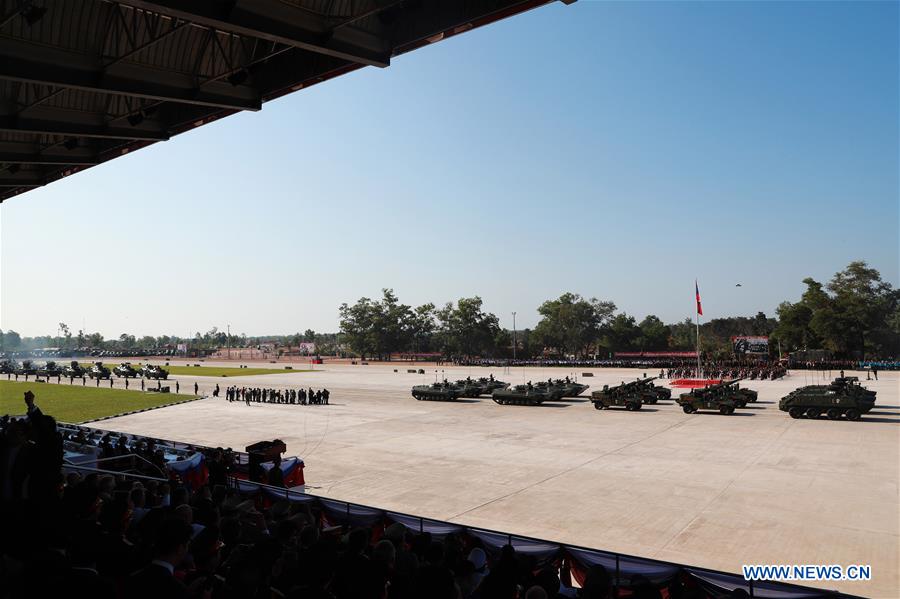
[298, 397]
[717, 371]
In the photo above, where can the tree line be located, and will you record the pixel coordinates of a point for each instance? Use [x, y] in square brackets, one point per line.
[855, 314]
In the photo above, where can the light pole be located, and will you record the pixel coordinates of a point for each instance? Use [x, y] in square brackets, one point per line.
[515, 341]
[228, 342]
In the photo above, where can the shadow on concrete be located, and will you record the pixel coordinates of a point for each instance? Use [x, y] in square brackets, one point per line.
[866, 418]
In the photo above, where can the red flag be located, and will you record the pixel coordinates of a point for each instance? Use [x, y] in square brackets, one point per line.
[699, 307]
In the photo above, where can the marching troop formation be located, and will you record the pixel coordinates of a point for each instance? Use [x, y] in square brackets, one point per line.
[294, 397]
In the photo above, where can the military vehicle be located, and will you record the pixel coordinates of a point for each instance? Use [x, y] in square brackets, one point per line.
[522, 395]
[650, 392]
[741, 395]
[442, 391]
[8, 367]
[74, 370]
[50, 369]
[569, 387]
[126, 370]
[490, 384]
[152, 371]
[27, 368]
[626, 395]
[551, 390]
[469, 387]
[711, 397]
[843, 397]
[99, 371]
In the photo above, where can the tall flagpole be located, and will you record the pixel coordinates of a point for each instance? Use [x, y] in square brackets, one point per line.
[698, 346]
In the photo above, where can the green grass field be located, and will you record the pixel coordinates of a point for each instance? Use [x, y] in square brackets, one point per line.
[74, 403]
[211, 370]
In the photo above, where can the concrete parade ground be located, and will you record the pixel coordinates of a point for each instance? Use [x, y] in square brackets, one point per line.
[757, 487]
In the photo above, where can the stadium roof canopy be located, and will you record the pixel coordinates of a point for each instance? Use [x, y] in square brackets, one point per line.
[86, 81]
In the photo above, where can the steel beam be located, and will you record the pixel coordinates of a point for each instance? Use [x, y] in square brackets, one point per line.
[269, 20]
[67, 129]
[56, 159]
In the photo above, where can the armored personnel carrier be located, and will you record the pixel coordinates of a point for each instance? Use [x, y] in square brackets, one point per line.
[74, 370]
[551, 390]
[27, 368]
[569, 388]
[99, 371]
[50, 369]
[490, 384]
[8, 367]
[442, 391]
[469, 387]
[152, 371]
[625, 395]
[522, 395]
[712, 397]
[843, 397]
[126, 370]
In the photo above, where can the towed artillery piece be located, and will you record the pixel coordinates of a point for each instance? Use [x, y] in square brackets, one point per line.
[713, 397]
[442, 391]
[99, 371]
[626, 395]
[74, 370]
[843, 397]
[522, 395]
[152, 371]
[126, 370]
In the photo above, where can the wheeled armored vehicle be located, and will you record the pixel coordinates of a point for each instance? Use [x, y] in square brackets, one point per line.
[99, 371]
[50, 369]
[152, 371]
[74, 370]
[126, 370]
[843, 397]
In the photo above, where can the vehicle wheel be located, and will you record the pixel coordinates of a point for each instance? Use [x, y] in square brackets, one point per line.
[687, 409]
[852, 414]
[742, 404]
[638, 406]
[724, 410]
[833, 413]
[598, 406]
[795, 412]
[813, 412]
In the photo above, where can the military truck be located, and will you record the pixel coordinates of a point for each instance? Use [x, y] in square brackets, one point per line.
[99, 371]
[625, 395]
[711, 397]
[74, 370]
[652, 393]
[843, 397]
[443, 391]
[522, 395]
[126, 370]
[152, 371]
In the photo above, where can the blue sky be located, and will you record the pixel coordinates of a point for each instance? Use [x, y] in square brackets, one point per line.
[617, 150]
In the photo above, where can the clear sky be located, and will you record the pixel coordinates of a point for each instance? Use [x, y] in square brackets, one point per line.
[613, 149]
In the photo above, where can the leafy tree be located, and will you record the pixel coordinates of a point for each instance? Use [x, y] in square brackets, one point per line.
[622, 334]
[572, 324]
[11, 340]
[467, 330]
[654, 334]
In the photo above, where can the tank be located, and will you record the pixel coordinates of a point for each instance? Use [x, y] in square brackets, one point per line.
[99, 371]
[126, 370]
[152, 371]
[443, 391]
[522, 395]
[621, 396]
[74, 370]
[713, 397]
[843, 397]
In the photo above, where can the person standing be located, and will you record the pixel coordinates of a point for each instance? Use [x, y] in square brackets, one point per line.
[875, 371]
[126, 384]
[196, 388]
[142, 384]
[177, 387]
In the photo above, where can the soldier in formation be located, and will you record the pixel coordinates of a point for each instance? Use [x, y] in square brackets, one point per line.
[294, 397]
